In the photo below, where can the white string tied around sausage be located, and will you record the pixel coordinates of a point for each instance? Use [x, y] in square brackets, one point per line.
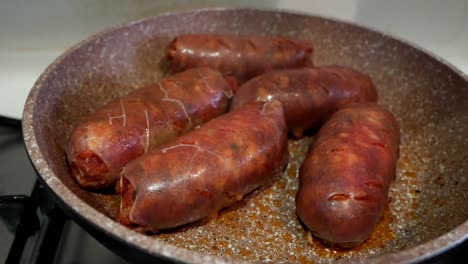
[229, 94]
[147, 131]
[198, 150]
[123, 115]
[182, 106]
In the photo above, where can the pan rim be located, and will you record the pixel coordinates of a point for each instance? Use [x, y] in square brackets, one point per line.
[421, 252]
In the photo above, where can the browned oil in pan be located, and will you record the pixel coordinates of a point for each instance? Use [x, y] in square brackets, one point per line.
[428, 209]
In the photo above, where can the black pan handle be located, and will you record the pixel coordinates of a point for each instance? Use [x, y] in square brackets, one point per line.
[10, 122]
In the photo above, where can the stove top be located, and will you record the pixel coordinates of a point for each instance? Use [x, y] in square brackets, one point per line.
[32, 228]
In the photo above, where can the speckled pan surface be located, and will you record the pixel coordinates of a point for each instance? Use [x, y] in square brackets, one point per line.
[428, 211]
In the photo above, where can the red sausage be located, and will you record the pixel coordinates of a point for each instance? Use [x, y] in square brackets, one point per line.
[240, 56]
[124, 129]
[309, 95]
[205, 170]
[346, 175]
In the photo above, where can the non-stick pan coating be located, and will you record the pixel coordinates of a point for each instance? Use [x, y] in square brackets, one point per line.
[428, 211]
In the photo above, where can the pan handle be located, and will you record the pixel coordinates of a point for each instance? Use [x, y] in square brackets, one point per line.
[10, 122]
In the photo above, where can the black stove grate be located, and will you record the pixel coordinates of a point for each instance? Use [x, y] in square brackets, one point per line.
[39, 226]
[34, 220]
[32, 228]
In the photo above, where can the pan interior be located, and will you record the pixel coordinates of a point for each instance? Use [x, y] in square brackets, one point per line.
[428, 99]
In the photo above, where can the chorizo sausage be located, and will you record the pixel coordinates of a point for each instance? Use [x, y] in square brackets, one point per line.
[346, 175]
[124, 129]
[205, 170]
[309, 95]
[240, 56]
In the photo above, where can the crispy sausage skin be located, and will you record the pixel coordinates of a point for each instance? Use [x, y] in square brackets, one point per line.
[205, 170]
[309, 95]
[240, 56]
[124, 129]
[346, 175]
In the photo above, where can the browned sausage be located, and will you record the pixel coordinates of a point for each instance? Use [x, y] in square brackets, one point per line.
[346, 175]
[240, 56]
[205, 170]
[310, 95]
[126, 128]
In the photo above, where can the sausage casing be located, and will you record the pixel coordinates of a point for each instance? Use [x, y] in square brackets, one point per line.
[309, 95]
[346, 175]
[240, 56]
[205, 170]
[124, 129]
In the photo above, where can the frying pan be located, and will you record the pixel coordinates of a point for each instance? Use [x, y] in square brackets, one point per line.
[428, 211]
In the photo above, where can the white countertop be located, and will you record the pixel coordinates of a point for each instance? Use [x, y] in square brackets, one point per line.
[34, 33]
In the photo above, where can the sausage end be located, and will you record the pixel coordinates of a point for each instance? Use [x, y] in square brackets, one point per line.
[90, 171]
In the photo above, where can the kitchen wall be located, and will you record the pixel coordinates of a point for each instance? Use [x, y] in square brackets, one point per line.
[54, 24]
[34, 33]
